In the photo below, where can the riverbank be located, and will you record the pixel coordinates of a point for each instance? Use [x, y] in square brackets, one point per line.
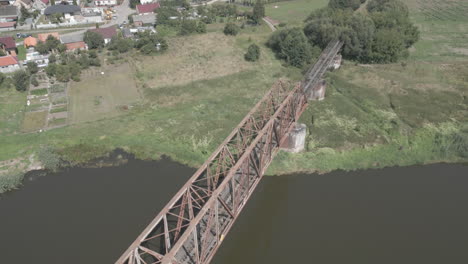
[373, 116]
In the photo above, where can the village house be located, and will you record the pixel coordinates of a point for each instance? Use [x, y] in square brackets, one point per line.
[7, 26]
[8, 13]
[141, 20]
[147, 8]
[105, 2]
[74, 42]
[43, 36]
[8, 45]
[30, 42]
[106, 33]
[68, 11]
[9, 64]
[39, 59]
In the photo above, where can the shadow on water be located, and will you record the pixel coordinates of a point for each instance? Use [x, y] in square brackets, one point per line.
[397, 215]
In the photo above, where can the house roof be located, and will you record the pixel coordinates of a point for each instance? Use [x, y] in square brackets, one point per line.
[30, 42]
[61, 9]
[43, 36]
[71, 38]
[106, 33]
[45, 1]
[76, 45]
[8, 11]
[7, 61]
[9, 42]
[127, 33]
[7, 24]
[147, 8]
[145, 19]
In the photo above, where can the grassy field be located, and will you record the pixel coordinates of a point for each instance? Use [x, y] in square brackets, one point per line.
[294, 12]
[396, 114]
[99, 95]
[33, 121]
[185, 102]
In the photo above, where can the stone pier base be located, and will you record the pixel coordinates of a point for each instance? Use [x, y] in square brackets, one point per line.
[295, 141]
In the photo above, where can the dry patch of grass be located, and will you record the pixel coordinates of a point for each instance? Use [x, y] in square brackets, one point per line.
[193, 58]
[98, 96]
[34, 121]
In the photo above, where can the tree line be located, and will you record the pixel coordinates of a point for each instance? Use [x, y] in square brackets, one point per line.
[382, 35]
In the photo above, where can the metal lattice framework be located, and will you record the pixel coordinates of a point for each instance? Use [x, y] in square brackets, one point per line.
[194, 223]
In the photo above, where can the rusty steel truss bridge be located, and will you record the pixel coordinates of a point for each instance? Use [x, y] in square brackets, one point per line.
[191, 227]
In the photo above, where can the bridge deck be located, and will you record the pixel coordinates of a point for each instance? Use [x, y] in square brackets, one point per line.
[192, 226]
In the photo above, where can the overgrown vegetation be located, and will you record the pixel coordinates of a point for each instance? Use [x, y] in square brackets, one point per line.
[381, 36]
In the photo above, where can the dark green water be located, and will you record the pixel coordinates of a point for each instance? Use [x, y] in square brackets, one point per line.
[396, 215]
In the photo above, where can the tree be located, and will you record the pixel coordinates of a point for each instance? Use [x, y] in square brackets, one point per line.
[292, 46]
[34, 81]
[21, 80]
[164, 16]
[343, 4]
[149, 43]
[2, 78]
[75, 71]
[52, 43]
[201, 27]
[41, 47]
[253, 53]
[93, 40]
[121, 44]
[231, 29]
[187, 27]
[52, 58]
[74, 2]
[134, 3]
[32, 67]
[52, 2]
[62, 73]
[388, 46]
[51, 69]
[258, 12]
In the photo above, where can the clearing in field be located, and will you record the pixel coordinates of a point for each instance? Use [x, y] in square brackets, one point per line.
[102, 95]
[193, 58]
[293, 13]
[33, 121]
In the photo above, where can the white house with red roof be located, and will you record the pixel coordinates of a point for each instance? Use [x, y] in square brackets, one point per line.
[106, 33]
[9, 64]
[147, 8]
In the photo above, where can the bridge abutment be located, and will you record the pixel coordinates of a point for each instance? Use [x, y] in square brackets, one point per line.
[295, 141]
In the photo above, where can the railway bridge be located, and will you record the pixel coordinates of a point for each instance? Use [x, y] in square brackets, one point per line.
[191, 227]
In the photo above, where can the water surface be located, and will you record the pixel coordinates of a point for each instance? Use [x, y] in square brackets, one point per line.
[397, 215]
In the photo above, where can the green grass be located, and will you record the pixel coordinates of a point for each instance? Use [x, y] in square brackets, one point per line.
[21, 52]
[57, 122]
[57, 88]
[42, 91]
[58, 109]
[294, 12]
[34, 121]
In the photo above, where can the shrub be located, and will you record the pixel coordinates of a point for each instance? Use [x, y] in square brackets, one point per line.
[21, 80]
[292, 46]
[34, 81]
[253, 53]
[49, 158]
[231, 29]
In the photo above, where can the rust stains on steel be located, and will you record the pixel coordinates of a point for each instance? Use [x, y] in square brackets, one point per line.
[194, 223]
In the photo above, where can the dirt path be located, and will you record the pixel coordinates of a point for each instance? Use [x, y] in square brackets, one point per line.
[272, 27]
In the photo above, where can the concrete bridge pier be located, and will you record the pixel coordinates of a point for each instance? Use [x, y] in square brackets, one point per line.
[295, 141]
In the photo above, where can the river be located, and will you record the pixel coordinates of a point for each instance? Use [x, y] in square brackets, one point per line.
[395, 215]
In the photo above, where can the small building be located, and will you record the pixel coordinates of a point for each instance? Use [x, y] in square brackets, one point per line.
[106, 33]
[73, 42]
[147, 8]
[9, 64]
[105, 2]
[39, 59]
[126, 33]
[337, 62]
[7, 26]
[43, 36]
[66, 10]
[146, 19]
[8, 45]
[8, 13]
[30, 42]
